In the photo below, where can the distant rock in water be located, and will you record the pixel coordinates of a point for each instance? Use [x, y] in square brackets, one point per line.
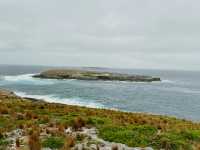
[93, 75]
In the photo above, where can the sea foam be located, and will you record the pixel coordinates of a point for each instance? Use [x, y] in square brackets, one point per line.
[55, 99]
[27, 79]
[167, 81]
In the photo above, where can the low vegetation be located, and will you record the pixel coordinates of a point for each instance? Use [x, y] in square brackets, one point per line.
[132, 129]
[53, 142]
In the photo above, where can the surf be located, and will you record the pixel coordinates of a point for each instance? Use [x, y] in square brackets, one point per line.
[25, 79]
[55, 99]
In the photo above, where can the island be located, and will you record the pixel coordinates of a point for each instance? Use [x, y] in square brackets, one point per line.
[93, 75]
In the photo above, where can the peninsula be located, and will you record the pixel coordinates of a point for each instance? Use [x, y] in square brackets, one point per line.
[93, 75]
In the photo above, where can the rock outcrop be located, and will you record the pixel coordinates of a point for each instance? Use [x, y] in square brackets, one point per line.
[93, 75]
[7, 94]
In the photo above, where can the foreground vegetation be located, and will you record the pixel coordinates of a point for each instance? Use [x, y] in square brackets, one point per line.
[132, 129]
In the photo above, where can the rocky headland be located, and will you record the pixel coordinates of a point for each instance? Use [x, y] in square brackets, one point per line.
[93, 75]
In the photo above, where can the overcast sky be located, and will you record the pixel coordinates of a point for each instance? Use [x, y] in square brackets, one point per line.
[161, 34]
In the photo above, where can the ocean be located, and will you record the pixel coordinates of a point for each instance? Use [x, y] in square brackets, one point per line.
[178, 94]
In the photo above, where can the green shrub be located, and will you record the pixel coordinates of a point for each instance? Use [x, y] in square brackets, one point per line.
[132, 135]
[172, 141]
[97, 121]
[53, 142]
[3, 122]
[3, 144]
[193, 135]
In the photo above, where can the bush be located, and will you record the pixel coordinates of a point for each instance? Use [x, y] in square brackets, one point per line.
[191, 135]
[69, 143]
[171, 141]
[78, 123]
[53, 142]
[97, 121]
[29, 115]
[17, 142]
[3, 144]
[135, 136]
[34, 141]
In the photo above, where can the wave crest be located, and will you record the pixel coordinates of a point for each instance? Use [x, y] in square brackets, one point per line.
[27, 79]
[54, 99]
[167, 81]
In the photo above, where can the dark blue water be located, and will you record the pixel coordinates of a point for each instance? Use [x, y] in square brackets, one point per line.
[177, 95]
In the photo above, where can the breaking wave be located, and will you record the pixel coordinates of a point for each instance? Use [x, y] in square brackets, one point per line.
[167, 81]
[55, 99]
[27, 79]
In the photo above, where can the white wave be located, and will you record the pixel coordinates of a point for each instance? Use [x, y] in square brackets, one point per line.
[167, 81]
[27, 79]
[55, 99]
[180, 90]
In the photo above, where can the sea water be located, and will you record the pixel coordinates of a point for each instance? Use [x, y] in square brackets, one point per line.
[178, 94]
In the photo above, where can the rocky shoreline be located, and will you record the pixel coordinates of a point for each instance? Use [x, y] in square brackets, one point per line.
[93, 75]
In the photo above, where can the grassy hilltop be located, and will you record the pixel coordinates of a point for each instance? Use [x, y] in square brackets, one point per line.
[132, 129]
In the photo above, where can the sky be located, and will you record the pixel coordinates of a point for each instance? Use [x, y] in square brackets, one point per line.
[153, 34]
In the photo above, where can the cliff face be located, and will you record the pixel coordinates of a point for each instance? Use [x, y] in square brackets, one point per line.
[92, 75]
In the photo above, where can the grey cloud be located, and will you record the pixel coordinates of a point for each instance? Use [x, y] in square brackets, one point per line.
[124, 33]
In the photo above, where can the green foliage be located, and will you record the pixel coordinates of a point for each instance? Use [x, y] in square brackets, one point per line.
[131, 135]
[53, 142]
[193, 135]
[66, 119]
[3, 122]
[98, 121]
[171, 141]
[3, 144]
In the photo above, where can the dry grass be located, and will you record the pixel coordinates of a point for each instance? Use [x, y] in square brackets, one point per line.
[69, 142]
[34, 140]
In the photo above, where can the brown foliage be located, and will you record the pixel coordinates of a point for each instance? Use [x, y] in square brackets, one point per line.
[69, 143]
[61, 128]
[21, 126]
[78, 123]
[51, 124]
[17, 142]
[19, 116]
[34, 141]
[29, 115]
[4, 110]
[46, 118]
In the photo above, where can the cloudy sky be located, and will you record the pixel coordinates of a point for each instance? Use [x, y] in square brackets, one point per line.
[104, 33]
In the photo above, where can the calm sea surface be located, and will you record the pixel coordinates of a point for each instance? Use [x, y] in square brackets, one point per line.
[177, 95]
